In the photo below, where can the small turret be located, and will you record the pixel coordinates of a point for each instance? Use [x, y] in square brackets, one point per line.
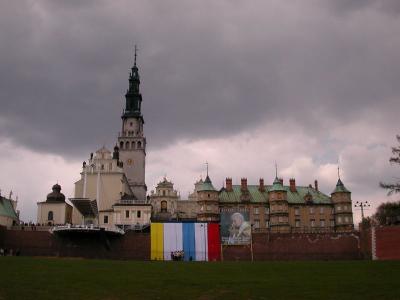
[207, 199]
[279, 208]
[341, 199]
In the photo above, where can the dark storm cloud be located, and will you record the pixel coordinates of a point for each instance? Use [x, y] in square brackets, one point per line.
[207, 69]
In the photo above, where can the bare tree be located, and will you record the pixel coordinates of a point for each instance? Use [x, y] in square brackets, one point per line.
[393, 188]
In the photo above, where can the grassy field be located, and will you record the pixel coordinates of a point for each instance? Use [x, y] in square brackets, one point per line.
[53, 278]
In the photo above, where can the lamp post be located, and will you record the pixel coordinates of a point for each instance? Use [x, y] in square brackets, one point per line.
[251, 242]
[204, 231]
[362, 205]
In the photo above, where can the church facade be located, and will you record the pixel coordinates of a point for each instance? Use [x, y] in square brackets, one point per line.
[112, 191]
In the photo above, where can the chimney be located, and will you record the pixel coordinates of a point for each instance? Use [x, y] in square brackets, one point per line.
[316, 185]
[261, 188]
[281, 180]
[243, 185]
[228, 183]
[292, 182]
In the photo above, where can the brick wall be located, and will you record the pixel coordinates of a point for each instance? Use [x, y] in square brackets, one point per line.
[322, 246]
[42, 243]
[387, 242]
[137, 246]
[280, 246]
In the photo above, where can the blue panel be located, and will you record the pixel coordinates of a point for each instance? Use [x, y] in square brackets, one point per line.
[189, 241]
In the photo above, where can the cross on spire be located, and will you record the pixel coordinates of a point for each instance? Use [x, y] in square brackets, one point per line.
[338, 169]
[207, 167]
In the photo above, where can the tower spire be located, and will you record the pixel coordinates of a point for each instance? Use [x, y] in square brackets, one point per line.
[136, 49]
[133, 96]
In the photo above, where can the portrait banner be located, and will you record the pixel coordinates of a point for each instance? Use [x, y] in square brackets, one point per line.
[235, 227]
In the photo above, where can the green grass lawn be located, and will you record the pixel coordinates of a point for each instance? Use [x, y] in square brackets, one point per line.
[54, 278]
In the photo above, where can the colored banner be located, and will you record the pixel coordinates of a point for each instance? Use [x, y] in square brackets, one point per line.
[194, 241]
[201, 242]
[172, 239]
[157, 241]
[235, 227]
[214, 244]
[189, 242]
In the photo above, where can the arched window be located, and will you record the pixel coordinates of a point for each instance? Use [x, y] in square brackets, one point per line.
[50, 216]
[127, 145]
[139, 145]
[121, 145]
[163, 206]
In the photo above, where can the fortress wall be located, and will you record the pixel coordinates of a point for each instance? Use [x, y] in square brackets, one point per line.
[136, 246]
[322, 246]
[42, 243]
[387, 242]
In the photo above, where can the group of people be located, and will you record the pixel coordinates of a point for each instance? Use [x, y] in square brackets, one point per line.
[177, 255]
[9, 252]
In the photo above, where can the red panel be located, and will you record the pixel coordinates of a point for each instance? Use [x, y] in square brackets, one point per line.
[214, 242]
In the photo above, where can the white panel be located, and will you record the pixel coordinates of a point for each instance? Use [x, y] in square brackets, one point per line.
[201, 241]
[172, 239]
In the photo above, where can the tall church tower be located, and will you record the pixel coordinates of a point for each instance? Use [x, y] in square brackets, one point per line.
[131, 140]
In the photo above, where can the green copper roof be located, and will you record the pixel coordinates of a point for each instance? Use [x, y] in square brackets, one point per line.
[262, 197]
[206, 185]
[340, 188]
[6, 209]
[277, 186]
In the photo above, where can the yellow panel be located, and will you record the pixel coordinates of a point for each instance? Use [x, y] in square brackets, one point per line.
[157, 241]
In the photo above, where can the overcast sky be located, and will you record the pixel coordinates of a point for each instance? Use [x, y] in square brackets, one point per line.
[240, 84]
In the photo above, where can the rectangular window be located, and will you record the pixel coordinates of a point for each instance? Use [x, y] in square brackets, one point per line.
[267, 210]
[322, 223]
[332, 223]
[297, 211]
[321, 210]
[339, 220]
[127, 214]
[311, 210]
[256, 223]
[105, 219]
[267, 224]
[139, 213]
[312, 223]
[280, 219]
[256, 211]
[297, 223]
[346, 219]
[339, 208]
